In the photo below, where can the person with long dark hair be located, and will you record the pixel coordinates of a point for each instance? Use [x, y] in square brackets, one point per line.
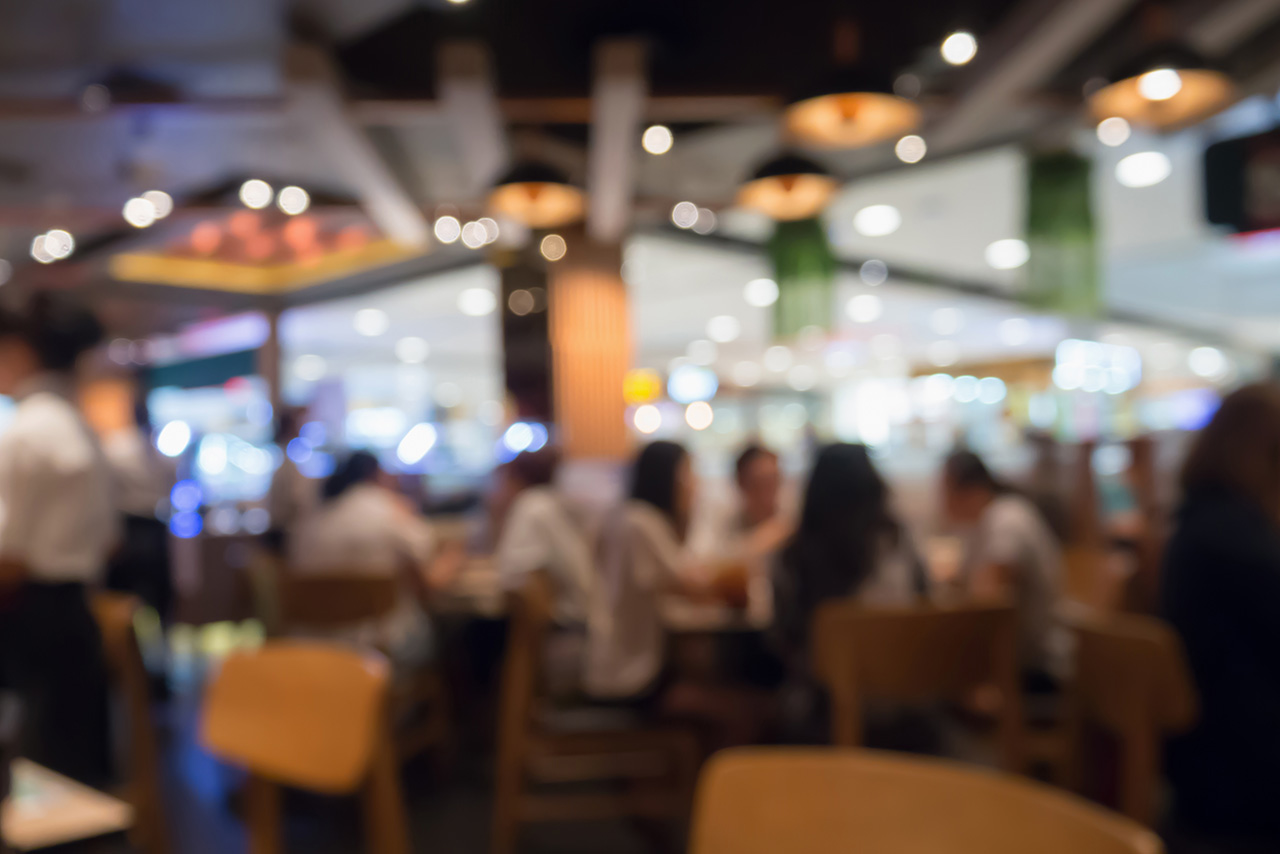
[1220, 589]
[1011, 554]
[58, 528]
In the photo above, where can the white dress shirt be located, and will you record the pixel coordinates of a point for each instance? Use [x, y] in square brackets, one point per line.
[56, 512]
[142, 477]
[291, 497]
[540, 534]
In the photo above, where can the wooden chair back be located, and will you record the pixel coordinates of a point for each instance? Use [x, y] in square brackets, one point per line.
[314, 716]
[333, 601]
[913, 654]
[114, 613]
[1131, 680]
[815, 801]
[529, 615]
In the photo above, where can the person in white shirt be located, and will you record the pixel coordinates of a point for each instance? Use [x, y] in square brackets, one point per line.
[540, 533]
[1011, 553]
[364, 527]
[292, 495]
[57, 529]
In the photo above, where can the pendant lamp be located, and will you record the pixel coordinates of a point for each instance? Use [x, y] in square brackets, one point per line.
[851, 108]
[1169, 86]
[538, 195]
[788, 187]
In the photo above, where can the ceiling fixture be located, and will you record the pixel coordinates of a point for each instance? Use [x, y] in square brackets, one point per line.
[911, 148]
[657, 139]
[293, 200]
[256, 194]
[788, 187]
[1144, 169]
[959, 48]
[537, 195]
[1113, 131]
[1168, 86]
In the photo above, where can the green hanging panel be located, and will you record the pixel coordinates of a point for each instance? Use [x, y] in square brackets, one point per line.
[805, 269]
[1062, 273]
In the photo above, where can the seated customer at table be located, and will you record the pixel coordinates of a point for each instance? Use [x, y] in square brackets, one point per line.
[1221, 592]
[1011, 553]
[641, 560]
[539, 533]
[363, 527]
[848, 543]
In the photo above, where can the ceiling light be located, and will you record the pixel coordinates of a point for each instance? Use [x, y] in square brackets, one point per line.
[873, 272]
[161, 201]
[537, 195]
[761, 293]
[877, 220]
[255, 194]
[724, 328]
[448, 229]
[1160, 84]
[911, 149]
[684, 214]
[788, 187]
[412, 350]
[959, 48]
[688, 383]
[852, 107]
[699, 415]
[1207, 362]
[1144, 169]
[139, 212]
[293, 200]
[1007, 254]
[553, 247]
[657, 139]
[370, 322]
[647, 418]
[477, 302]
[864, 308]
[473, 235]
[1169, 86]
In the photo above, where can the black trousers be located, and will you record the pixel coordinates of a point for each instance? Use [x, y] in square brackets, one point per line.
[51, 658]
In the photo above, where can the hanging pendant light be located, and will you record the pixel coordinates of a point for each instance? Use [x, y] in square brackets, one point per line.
[537, 195]
[788, 187]
[1169, 86]
[851, 108]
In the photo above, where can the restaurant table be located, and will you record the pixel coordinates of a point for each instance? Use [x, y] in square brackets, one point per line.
[45, 809]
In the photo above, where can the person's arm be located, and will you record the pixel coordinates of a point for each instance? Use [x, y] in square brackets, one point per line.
[662, 566]
[524, 545]
[1000, 555]
[16, 473]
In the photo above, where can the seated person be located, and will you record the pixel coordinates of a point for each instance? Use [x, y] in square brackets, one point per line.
[1011, 553]
[642, 560]
[363, 527]
[539, 533]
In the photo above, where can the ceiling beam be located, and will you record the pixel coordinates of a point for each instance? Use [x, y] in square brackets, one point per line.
[468, 99]
[1041, 37]
[1228, 24]
[618, 93]
[320, 110]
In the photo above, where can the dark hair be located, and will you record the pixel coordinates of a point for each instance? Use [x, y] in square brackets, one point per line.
[1239, 449]
[749, 455]
[653, 479]
[535, 468]
[56, 331]
[843, 525]
[289, 422]
[360, 467]
[966, 470]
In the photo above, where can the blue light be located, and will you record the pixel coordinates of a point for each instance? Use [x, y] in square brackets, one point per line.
[314, 433]
[318, 465]
[539, 440]
[298, 450]
[689, 383]
[503, 453]
[186, 525]
[185, 497]
[519, 437]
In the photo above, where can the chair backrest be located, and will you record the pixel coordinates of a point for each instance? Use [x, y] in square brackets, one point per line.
[304, 714]
[333, 601]
[114, 613]
[1132, 680]
[529, 612]
[916, 653]
[816, 801]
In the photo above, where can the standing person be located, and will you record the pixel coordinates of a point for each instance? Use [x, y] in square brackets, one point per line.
[142, 479]
[292, 495]
[538, 532]
[1010, 553]
[1221, 591]
[57, 528]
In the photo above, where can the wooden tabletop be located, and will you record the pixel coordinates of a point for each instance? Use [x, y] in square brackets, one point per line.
[46, 809]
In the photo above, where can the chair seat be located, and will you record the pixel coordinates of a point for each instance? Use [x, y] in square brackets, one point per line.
[586, 717]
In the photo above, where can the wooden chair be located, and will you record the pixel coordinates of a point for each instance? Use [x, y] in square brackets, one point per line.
[917, 654]
[660, 765]
[817, 801]
[313, 716]
[114, 613]
[338, 601]
[1132, 681]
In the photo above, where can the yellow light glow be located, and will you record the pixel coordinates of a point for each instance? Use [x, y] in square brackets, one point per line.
[1201, 93]
[641, 386]
[851, 119]
[788, 197]
[538, 204]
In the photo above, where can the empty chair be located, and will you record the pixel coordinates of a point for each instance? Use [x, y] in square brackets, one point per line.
[818, 801]
[660, 765]
[1132, 681]
[917, 654]
[114, 614]
[313, 716]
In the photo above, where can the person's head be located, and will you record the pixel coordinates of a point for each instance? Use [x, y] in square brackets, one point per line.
[845, 516]
[1239, 450]
[759, 479]
[533, 468]
[48, 335]
[663, 477]
[967, 487]
[359, 468]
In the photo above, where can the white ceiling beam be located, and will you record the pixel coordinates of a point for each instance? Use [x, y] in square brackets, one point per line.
[469, 101]
[1032, 58]
[319, 108]
[619, 90]
[1228, 24]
